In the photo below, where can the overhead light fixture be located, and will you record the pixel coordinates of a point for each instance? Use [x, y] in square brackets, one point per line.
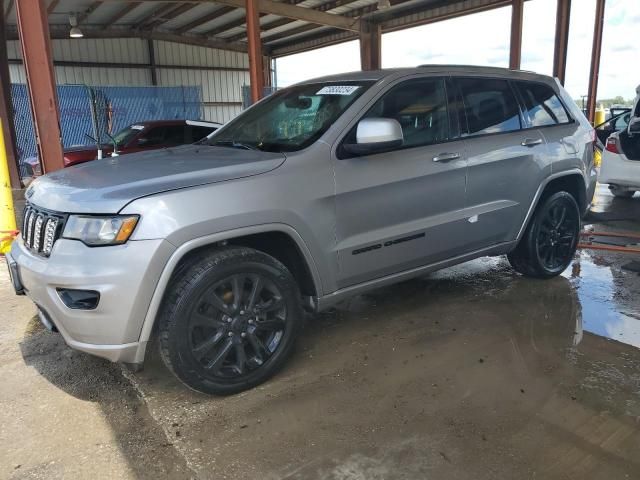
[383, 4]
[75, 31]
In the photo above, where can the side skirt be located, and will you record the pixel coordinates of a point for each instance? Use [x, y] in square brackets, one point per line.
[328, 301]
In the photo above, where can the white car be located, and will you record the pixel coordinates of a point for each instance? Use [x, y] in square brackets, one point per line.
[621, 157]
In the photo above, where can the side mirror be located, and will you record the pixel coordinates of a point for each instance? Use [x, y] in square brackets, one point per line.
[634, 126]
[374, 135]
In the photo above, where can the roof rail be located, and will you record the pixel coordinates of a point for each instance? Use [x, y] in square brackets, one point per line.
[475, 67]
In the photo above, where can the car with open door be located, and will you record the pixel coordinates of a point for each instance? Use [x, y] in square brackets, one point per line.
[621, 157]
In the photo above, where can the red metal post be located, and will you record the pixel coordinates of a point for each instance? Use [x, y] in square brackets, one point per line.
[563, 15]
[370, 46]
[38, 65]
[515, 52]
[6, 109]
[595, 60]
[256, 72]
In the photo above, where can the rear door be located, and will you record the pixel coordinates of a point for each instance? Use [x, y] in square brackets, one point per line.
[402, 208]
[507, 161]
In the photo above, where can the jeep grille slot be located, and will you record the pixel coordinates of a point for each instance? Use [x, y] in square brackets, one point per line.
[41, 229]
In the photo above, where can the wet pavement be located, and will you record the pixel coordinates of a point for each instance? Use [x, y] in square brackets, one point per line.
[473, 372]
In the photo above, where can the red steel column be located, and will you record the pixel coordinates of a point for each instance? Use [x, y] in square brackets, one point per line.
[563, 16]
[36, 54]
[256, 72]
[515, 52]
[370, 46]
[595, 60]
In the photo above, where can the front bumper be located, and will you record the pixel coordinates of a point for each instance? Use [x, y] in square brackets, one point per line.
[124, 275]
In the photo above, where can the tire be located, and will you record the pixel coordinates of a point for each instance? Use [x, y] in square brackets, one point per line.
[621, 193]
[549, 243]
[230, 320]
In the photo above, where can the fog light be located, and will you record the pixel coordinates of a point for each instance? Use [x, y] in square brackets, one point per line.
[79, 299]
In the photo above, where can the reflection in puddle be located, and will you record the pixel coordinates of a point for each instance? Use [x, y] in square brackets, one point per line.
[599, 296]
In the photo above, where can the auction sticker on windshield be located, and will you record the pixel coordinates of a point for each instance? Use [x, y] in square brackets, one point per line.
[137, 127]
[338, 90]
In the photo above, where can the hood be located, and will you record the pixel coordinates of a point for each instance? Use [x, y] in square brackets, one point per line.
[106, 186]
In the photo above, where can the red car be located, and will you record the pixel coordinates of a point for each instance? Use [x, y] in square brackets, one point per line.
[136, 138]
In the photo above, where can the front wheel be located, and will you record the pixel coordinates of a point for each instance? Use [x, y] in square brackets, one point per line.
[230, 321]
[550, 241]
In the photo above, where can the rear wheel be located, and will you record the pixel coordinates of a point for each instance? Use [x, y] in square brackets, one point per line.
[550, 241]
[230, 321]
[621, 192]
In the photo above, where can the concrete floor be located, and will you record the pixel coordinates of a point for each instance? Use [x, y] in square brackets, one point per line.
[470, 373]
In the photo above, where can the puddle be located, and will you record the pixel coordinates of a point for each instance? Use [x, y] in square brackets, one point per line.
[605, 311]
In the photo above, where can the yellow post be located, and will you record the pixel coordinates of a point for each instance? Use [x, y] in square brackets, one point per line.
[599, 118]
[7, 214]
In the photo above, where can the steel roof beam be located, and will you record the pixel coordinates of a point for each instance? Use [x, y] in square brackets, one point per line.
[291, 11]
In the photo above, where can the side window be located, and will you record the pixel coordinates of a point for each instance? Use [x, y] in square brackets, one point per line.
[175, 135]
[152, 137]
[490, 105]
[541, 105]
[197, 133]
[420, 106]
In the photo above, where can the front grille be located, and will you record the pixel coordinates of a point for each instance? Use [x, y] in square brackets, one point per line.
[41, 229]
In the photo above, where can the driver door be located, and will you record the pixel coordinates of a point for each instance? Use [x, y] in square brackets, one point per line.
[404, 208]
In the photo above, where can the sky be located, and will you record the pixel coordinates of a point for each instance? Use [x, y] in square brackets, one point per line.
[450, 41]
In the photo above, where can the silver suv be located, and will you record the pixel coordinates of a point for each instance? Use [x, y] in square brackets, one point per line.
[322, 191]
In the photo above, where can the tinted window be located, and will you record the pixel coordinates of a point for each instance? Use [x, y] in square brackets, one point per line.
[198, 133]
[420, 106]
[490, 105]
[175, 135]
[542, 106]
[152, 137]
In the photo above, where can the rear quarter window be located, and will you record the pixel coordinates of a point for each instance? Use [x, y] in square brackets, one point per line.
[541, 105]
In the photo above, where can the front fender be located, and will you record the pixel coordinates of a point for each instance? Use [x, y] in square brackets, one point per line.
[191, 245]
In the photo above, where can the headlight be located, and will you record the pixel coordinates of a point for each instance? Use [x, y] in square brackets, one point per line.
[97, 231]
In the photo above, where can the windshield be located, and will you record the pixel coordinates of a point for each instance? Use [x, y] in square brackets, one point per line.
[125, 135]
[291, 119]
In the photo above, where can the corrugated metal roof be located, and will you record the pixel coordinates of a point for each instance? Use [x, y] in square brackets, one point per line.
[140, 18]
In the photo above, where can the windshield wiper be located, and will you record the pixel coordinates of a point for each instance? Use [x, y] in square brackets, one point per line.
[233, 144]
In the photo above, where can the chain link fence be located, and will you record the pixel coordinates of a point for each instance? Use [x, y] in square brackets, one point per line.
[88, 115]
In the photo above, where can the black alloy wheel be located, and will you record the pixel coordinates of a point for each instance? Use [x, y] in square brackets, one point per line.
[230, 320]
[237, 325]
[549, 243]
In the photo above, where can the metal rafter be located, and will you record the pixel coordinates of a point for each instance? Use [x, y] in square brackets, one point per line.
[287, 10]
[155, 14]
[52, 6]
[218, 12]
[324, 7]
[306, 28]
[9, 9]
[122, 13]
[62, 32]
[171, 14]
[92, 8]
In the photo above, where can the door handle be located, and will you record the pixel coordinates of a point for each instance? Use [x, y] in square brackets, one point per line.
[531, 142]
[446, 157]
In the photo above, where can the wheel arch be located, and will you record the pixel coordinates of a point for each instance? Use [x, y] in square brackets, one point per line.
[571, 181]
[273, 239]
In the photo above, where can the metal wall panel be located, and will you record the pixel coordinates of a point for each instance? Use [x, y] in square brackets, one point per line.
[221, 90]
[179, 54]
[220, 87]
